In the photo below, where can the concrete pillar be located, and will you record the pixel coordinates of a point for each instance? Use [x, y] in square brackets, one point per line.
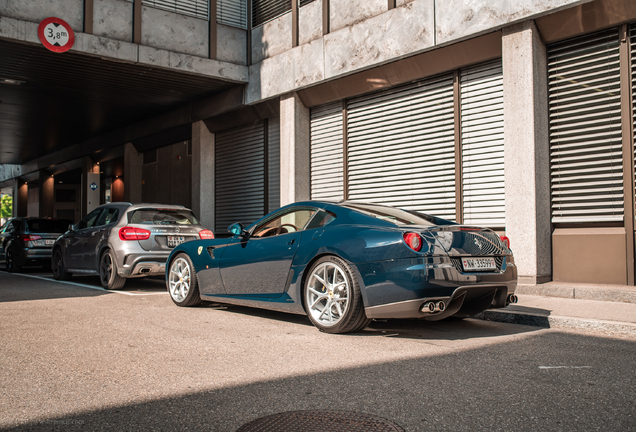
[133, 166]
[294, 150]
[526, 154]
[203, 174]
[20, 198]
[46, 195]
[88, 167]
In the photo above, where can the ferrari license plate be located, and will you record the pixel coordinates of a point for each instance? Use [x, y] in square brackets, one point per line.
[175, 240]
[479, 264]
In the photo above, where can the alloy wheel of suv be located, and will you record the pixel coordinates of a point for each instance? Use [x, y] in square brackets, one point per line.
[10, 260]
[58, 268]
[108, 272]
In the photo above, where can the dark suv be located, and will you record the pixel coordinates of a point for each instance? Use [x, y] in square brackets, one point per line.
[121, 240]
[29, 241]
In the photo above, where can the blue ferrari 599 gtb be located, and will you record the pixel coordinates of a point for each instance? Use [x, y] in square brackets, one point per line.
[345, 263]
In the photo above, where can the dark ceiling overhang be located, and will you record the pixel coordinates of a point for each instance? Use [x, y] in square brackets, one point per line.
[72, 105]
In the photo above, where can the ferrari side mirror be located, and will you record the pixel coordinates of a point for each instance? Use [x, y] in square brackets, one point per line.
[237, 229]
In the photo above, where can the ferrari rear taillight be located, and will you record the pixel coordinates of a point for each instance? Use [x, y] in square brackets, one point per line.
[206, 234]
[27, 237]
[413, 240]
[132, 233]
[506, 241]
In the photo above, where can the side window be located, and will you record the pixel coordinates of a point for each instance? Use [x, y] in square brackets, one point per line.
[321, 219]
[89, 220]
[17, 224]
[108, 216]
[292, 221]
[9, 227]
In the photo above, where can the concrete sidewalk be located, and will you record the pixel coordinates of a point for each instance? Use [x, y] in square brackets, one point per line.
[606, 309]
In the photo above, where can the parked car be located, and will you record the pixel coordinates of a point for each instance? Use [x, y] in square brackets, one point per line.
[121, 240]
[345, 263]
[29, 241]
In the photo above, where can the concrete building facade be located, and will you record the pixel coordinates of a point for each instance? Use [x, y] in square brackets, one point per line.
[518, 115]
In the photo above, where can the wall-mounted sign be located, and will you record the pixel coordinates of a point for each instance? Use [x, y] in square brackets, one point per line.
[56, 35]
[93, 186]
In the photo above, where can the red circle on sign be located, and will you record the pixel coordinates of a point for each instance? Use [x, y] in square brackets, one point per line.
[56, 35]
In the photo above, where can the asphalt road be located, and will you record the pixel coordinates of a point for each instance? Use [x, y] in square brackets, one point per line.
[75, 357]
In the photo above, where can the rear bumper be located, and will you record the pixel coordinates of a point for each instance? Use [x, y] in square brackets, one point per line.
[140, 265]
[399, 288]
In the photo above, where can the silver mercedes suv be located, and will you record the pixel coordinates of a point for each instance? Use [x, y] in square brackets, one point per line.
[120, 240]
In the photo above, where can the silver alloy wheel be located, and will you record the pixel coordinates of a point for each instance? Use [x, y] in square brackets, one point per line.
[328, 293]
[179, 279]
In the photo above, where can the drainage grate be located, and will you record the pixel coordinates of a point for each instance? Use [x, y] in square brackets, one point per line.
[320, 421]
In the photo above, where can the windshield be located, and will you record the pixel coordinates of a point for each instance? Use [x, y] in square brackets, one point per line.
[149, 216]
[57, 226]
[397, 216]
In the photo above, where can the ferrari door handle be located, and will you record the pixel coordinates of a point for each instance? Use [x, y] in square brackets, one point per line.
[291, 242]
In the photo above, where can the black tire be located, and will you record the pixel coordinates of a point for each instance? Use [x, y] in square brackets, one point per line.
[108, 276]
[10, 260]
[57, 266]
[182, 282]
[353, 318]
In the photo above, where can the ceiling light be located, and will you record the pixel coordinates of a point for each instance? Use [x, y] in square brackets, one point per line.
[11, 81]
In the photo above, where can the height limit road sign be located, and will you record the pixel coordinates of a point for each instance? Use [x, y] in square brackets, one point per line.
[56, 34]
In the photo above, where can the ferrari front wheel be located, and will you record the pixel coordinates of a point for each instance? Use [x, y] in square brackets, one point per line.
[182, 282]
[332, 297]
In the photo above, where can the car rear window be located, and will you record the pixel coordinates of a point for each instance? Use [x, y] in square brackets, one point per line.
[150, 216]
[58, 226]
[397, 216]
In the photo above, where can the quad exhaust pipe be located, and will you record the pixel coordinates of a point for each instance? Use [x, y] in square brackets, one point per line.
[433, 307]
[512, 298]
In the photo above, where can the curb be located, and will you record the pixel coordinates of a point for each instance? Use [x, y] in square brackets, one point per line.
[614, 328]
[599, 292]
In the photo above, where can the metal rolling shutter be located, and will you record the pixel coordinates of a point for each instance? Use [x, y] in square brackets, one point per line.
[585, 129]
[482, 129]
[305, 2]
[326, 152]
[401, 147]
[232, 13]
[239, 176]
[195, 8]
[266, 10]
[633, 61]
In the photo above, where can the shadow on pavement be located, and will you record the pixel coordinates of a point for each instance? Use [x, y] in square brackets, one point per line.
[405, 328]
[552, 381]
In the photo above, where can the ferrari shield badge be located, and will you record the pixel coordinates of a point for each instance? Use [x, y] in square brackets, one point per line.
[200, 250]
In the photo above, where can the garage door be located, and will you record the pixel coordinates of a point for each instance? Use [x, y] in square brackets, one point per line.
[401, 147]
[240, 176]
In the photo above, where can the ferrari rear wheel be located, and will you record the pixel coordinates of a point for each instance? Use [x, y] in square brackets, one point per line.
[182, 282]
[332, 297]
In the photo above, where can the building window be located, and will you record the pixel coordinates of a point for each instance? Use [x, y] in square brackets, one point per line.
[232, 13]
[267, 10]
[195, 8]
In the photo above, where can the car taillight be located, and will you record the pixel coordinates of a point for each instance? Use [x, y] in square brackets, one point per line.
[132, 233]
[206, 234]
[413, 240]
[26, 237]
[506, 241]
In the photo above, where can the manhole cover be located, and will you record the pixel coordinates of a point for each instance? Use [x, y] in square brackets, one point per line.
[320, 421]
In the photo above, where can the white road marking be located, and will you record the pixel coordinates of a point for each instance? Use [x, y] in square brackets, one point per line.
[565, 367]
[87, 286]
